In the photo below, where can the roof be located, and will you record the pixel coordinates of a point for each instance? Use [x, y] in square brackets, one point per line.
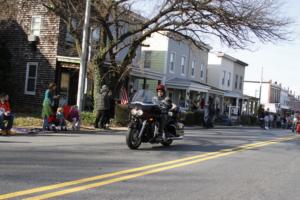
[75, 60]
[222, 54]
[250, 97]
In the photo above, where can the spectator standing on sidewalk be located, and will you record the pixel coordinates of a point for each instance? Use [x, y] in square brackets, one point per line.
[5, 115]
[271, 120]
[112, 104]
[267, 119]
[48, 104]
[261, 116]
[102, 106]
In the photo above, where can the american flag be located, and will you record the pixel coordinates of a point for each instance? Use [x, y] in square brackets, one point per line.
[124, 95]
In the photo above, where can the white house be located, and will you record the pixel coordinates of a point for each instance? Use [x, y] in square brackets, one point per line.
[269, 93]
[227, 74]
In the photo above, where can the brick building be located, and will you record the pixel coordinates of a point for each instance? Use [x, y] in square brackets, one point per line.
[41, 53]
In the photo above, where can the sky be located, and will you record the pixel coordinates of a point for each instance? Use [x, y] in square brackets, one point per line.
[279, 61]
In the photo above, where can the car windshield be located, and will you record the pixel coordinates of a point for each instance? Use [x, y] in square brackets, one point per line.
[143, 96]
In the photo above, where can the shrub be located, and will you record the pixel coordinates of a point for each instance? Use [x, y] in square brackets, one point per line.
[253, 120]
[248, 120]
[189, 118]
[121, 115]
[194, 118]
[198, 118]
[87, 118]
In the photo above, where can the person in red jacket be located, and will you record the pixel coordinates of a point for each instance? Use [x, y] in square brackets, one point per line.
[5, 115]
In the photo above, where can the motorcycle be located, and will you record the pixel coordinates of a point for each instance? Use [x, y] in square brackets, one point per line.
[144, 122]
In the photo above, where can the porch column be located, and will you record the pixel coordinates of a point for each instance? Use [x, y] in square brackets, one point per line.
[222, 104]
[237, 102]
[144, 83]
[247, 107]
[187, 98]
[243, 101]
[206, 98]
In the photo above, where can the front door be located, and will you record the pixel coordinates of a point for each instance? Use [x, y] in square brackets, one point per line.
[65, 84]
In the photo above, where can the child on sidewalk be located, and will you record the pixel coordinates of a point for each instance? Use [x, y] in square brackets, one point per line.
[61, 119]
[74, 117]
[5, 115]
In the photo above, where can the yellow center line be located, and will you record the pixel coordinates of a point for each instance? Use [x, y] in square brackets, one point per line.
[118, 173]
[136, 175]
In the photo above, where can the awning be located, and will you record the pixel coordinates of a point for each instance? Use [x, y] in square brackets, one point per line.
[216, 91]
[185, 84]
[250, 98]
[285, 107]
[66, 59]
[233, 94]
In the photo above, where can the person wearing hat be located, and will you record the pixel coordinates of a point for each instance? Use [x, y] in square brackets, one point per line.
[5, 115]
[164, 105]
[102, 105]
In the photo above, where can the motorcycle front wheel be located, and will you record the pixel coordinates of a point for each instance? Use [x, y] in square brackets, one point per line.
[132, 138]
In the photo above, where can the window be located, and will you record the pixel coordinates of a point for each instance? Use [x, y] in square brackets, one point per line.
[172, 60]
[241, 83]
[236, 81]
[69, 37]
[147, 61]
[31, 76]
[183, 59]
[229, 79]
[36, 22]
[223, 79]
[96, 35]
[202, 71]
[193, 68]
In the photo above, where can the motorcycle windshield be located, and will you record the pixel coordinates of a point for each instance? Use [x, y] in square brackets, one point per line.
[144, 97]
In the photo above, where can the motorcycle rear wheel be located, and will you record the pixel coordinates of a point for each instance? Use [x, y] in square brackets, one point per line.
[132, 138]
[167, 143]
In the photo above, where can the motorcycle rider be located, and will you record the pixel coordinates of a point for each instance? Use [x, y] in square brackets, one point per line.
[165, 105]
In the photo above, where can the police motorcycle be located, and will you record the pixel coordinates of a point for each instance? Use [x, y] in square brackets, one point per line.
[144, 121]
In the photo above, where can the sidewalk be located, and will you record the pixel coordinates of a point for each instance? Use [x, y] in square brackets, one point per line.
[89, 129]
[84, 129]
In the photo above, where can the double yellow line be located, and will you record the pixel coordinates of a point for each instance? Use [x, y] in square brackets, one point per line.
[132, 173]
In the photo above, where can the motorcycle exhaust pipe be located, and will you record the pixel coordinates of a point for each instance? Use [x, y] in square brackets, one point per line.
[175, 138]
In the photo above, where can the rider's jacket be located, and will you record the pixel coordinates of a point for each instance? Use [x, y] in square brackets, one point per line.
[164, 103]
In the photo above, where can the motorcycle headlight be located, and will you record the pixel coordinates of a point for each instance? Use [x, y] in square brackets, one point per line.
[170, 114]
[134, 111]
[139, 112]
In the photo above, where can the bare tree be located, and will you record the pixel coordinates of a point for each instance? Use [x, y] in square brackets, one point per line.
[237, 23]
[8, 9]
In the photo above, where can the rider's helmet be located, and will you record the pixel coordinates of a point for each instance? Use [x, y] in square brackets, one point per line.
[160, 87]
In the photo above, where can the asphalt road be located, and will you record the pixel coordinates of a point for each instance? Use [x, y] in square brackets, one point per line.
[217, 164]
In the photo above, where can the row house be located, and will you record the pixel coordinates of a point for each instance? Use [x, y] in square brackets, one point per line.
[293, 102]
[226, 74]
[179, 65]
[273, 96]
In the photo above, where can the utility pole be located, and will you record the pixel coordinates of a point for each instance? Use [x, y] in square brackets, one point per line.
[83, 59]
[260, 86]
